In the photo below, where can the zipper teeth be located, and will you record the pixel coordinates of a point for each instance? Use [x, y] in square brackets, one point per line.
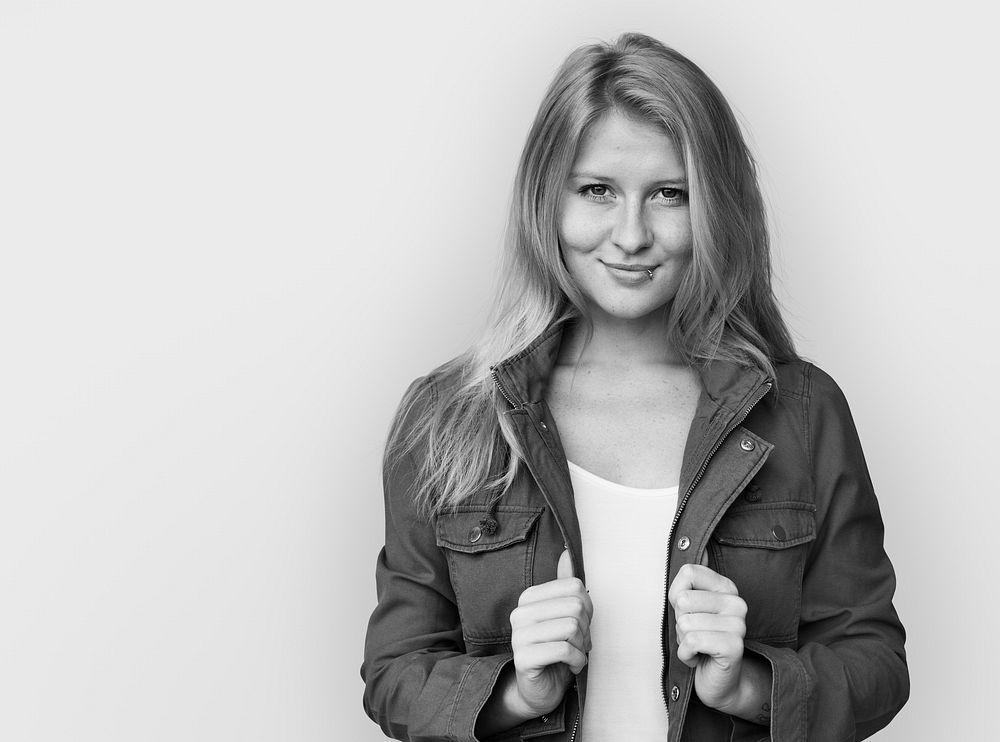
[677, 516]
[562, 530]
[496, 380]
[545, 494]
[576, 725]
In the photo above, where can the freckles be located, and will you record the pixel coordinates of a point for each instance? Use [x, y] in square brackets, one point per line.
[579, 233]
[676, 238]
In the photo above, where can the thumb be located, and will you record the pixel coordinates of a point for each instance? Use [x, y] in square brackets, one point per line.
[565, 567]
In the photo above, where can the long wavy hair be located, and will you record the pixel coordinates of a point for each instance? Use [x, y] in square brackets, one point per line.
[724, 307]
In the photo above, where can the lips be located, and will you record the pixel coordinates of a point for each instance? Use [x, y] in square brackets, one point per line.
[630, 274]
[631, 267]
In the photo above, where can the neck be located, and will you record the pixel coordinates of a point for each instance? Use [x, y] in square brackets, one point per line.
[619, 342]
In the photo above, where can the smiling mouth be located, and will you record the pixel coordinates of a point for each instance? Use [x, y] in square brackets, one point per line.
[631, 267]
[630, 274]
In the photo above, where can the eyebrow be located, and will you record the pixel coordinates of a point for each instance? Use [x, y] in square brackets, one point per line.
[605, 178]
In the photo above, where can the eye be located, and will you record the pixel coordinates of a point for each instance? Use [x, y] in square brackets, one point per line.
[672, 195]
[596, 192]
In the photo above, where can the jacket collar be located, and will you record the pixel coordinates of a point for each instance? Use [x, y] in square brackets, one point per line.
[728, 391]
[524, 377]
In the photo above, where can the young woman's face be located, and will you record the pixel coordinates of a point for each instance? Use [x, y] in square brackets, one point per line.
[624, 212]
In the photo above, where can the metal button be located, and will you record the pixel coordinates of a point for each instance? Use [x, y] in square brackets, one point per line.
[753, 493]
[542, 425]
[683, 543]
[675, 693]
[475, 534]
[779, 533]
[746, 444]
[545, 719]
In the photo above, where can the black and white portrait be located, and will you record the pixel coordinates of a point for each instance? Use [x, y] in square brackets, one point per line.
[350, 353]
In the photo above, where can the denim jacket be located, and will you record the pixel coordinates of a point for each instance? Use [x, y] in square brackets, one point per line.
[774, 494]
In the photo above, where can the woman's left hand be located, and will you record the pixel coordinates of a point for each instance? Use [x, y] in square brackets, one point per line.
[711, 624]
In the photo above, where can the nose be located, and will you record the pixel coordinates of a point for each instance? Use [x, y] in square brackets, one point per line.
[631, 233]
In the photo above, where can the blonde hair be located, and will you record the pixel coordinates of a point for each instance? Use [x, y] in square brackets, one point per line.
[724, 307]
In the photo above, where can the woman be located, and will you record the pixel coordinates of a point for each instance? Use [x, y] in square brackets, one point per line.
[630, 510]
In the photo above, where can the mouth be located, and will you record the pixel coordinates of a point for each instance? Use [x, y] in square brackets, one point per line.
[630, 267]
[630, 274]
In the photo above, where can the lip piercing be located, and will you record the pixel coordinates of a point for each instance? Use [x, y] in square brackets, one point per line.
[650, 274]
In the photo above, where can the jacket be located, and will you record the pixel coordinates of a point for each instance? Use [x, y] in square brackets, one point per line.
[774, 493]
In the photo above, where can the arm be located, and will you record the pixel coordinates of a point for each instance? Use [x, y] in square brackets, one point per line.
[710, 630]
[752, 700]
[848, 677]
[550, 638]
[420, 684]
[420, 681]
[504, 709]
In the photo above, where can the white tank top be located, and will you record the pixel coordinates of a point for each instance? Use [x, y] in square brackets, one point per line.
[624, 532]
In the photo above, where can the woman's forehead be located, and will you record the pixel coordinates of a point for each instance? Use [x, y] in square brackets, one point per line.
[623, 144]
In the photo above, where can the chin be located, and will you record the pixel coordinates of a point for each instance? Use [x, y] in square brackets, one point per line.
[633, 311]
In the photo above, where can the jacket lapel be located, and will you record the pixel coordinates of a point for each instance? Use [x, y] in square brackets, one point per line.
[728, 390]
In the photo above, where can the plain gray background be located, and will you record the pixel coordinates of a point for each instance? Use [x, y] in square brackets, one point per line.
[233, 232]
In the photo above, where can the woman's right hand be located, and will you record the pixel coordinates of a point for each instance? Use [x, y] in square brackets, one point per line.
[550, 639]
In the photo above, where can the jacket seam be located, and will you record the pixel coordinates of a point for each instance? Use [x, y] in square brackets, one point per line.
[796, 506]
[774, 639]
[807, 693]
[807, 415]
[538, 341]
[450, 729]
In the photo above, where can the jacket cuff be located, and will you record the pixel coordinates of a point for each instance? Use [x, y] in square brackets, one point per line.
[550, 723]
[790, 691]
[474, 689]
[449, 703]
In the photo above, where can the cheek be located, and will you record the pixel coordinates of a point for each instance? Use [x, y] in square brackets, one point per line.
[675, 237]
[579, 232]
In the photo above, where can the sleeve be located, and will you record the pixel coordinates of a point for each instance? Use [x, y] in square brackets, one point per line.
[848, 677]
[420, 684]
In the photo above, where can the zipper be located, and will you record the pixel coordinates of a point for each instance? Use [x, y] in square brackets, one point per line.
[562, 530]
[758, 396]
[545, 494]
[496, 380]
[576, 725]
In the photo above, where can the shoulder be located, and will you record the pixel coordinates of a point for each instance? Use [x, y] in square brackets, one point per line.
[827, 422]
[813, 403]
[428, 396]
[438, 384]
[804, 380]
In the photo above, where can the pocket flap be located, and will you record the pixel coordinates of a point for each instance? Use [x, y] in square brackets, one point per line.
[773, 525]
[460, 530]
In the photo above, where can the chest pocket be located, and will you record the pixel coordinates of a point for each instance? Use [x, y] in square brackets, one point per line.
[763, 549]
[488, 571]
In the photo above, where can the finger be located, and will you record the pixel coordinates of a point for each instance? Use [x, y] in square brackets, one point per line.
[697, 577]
[564, 588]
[573, 606]
[559, 629]
[692, 622]
[703, 601]
[725, 648]
[564, 568]
[539, 656]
